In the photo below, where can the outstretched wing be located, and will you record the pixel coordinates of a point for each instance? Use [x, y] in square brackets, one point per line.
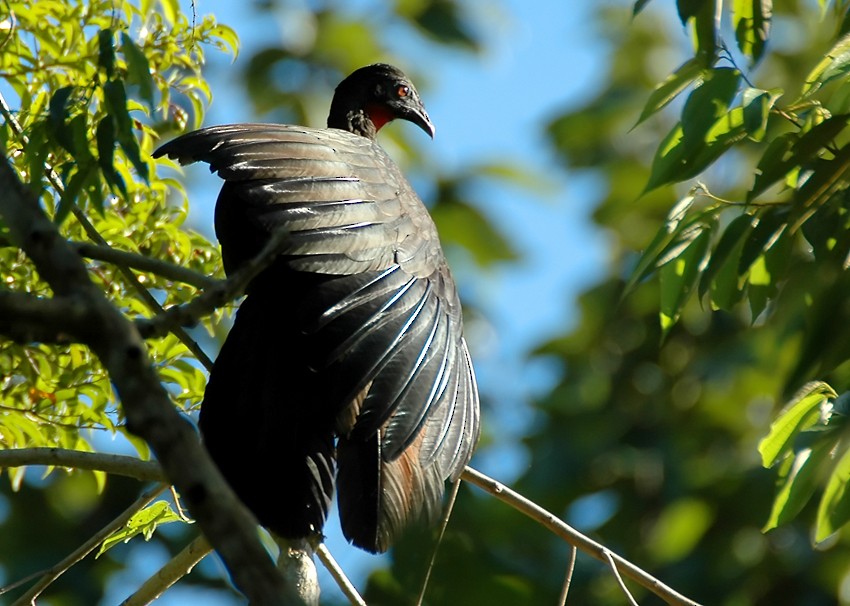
[385, 320]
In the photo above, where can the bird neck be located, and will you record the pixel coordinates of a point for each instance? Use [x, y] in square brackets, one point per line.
[357, 121]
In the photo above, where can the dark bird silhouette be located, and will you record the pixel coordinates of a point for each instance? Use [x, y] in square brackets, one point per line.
[346, 363]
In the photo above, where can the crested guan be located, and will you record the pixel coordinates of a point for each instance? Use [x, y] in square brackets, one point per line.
[346, 363]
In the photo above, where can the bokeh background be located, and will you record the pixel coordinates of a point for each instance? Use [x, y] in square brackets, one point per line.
[535, 179]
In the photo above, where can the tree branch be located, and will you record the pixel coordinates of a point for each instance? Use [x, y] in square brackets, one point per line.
[574, 537]
[150, 414]
[122, 258]
[25, 318]
[338, 575]
[150, 470]
[122, 465]
[174, 570]
[219, 295]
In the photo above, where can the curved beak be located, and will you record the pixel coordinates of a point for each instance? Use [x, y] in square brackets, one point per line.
[419, 117]
[411, 109]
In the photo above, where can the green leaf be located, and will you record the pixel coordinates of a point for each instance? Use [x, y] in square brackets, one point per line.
[706, 130]
[751, 20]
[834, 507]
[228, 37]
[116, 106]
[444, 21]
[105, 137]
[721, 275]
[709, 101]
[706, 23]
[770, 223]
[639, 6]
[679, 529]
[70, 194]
[106, 51]
[756, 104]
[686, 74]
[58, 117]
[799, 484]
[679, 275]
[821, 179]
[455, 220]
[144, 523]
[835, 64]
[792, 150]
[138, 69]
[844, 29]
[802, 412]
[649, 260]
[775, 163]
[690, 8]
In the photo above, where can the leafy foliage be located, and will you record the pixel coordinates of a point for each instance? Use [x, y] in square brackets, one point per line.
[91, 86]
[799, 178]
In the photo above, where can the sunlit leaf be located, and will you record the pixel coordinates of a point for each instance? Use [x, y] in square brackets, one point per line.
[660, 246]
[138, 69]
[825, 175]
[751, 20]
[834, 65]
[144, 522]
[706, 130]
[721, 275]
[679, 275]
[679, 528]
[834, 507]
[808, 406]
[769, 225]
[706, 23]
[799, 485]
[686, 74]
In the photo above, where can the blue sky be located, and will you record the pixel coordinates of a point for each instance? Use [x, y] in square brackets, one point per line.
[539, 58]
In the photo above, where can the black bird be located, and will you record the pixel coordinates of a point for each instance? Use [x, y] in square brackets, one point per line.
[346, 363]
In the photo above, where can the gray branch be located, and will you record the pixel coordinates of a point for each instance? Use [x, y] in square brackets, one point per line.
[574, 537]
[122, 465]
[174, 570]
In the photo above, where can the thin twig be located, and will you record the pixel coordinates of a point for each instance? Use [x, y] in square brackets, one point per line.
[571, 565]
[339, 576]
[443, 524]
[219, 295]
[174, 570]
[86, 548]
[619, 578]
[573, 537]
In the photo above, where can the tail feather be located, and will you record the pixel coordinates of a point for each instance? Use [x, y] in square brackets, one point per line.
[250, 388]
[378, 499]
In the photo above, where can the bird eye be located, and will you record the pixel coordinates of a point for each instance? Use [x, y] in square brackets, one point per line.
[402, 91]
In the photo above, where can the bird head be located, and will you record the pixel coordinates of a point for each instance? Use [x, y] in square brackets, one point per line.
[374, 95]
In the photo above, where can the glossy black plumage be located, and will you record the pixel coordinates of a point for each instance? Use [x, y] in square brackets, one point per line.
[347, 358]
